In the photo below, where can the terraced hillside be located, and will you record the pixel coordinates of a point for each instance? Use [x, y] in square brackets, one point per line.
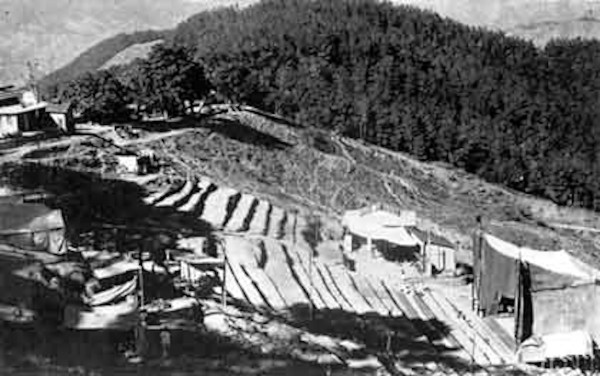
[301, 168]
[260, 182]
[270, 271]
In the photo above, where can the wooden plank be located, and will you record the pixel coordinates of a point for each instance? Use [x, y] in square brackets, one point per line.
[193, 201]
[502, 335]
[258, 225]
[176, 196]
[457, 333]
[319, 292]
[303, 280]
[420, 325]
[506, 354]
[258, 287]
[397, 308]
[482, 343]
[369, 292]
[336, 292]
[275, 223]
[242, 210]
[344, 283]
[277, 270]
[156, 196]
[423, 323]
[246, 285]
[270, 289]
[232, 285]
[215, 209]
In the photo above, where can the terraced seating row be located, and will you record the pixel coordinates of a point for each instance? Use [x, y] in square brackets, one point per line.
[486, 340]
[225, 208]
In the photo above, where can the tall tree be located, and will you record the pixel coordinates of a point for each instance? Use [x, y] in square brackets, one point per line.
[169, 77]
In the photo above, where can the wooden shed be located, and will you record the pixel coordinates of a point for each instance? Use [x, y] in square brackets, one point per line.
[438, 253]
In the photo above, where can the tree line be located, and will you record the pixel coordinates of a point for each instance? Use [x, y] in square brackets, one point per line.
[405, 79]
[163, 82]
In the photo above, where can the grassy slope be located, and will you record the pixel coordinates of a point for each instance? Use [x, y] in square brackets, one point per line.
[238, 150]
[303, 168]
[136, 51]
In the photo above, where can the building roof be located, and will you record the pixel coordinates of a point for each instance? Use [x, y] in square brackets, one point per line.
[17, 109]
[10, 94]
[378, 225]
[18, 218]
[434, 238]
[59, 108]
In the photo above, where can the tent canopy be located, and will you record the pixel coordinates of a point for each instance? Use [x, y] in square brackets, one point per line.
[556, 262]
[553, 291]
[497, 264]
[379, 225]
[17, 217]
[32, 226]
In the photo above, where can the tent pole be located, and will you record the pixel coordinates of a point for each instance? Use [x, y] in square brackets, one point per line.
[141, 276]
[224, 283]
[476, 252]
[426, 260]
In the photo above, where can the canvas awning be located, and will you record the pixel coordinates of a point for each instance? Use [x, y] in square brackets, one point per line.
[122, 267]
[32, 226]
[553, 291]
[379, 225]
[557, 262]
[497, 263]
[121, 316]
[114, 293]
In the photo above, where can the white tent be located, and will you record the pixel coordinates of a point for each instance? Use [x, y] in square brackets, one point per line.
[114, 293]
[560, 262]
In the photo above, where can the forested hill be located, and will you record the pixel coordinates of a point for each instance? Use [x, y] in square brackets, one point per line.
[96, 56]
[412, 81]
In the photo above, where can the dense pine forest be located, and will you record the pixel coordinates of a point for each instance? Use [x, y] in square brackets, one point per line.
[398, 77]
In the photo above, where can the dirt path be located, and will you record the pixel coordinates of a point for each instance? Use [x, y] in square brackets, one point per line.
[18, 152]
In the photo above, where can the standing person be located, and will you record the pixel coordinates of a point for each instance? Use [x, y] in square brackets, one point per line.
[140, 336]
[158, 246]
[165, 342]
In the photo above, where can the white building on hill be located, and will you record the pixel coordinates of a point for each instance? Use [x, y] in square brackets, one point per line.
[20, 112]
[396, 237]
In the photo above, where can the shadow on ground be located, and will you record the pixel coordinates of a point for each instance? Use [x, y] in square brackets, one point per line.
[393, 339]
[243, 133]
[89, 200]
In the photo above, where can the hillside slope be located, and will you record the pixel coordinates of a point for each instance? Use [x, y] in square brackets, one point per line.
[256, 181]
[53, 33]
[135, 51]
[309, 171]
[100, 54]
[306, 168]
